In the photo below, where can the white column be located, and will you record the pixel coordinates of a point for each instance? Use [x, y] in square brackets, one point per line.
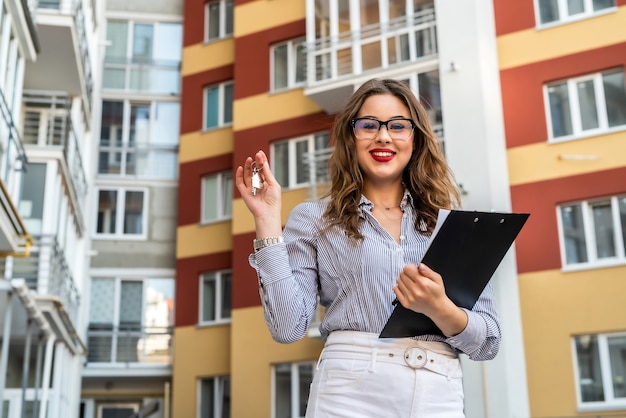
[476, 149]
[47, 372]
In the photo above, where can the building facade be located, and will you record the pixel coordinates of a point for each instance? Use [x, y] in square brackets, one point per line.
[271, 75]
[133, 222]
[47, 55]
[561, 68]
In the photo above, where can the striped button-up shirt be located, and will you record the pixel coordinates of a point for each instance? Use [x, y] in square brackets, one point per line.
[354, 282]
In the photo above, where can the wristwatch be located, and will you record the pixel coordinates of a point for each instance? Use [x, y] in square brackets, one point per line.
[260, 243]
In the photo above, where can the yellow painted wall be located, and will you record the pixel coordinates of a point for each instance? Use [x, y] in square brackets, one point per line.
[200, 145]
[194, 240]
[261, 15]
[203, 57]
[543, 161]
[200, 352]
[264, 109]
[556, 306]
[253, 354]
[532, 45]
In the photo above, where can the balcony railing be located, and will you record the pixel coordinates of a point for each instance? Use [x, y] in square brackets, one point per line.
[52, 113]
[123, 345]
[45, 271]
[141, 75]
[375, 47]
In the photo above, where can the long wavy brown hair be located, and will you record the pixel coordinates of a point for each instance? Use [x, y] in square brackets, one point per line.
[427, 176]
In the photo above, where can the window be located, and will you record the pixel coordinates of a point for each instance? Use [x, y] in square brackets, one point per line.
[219, 19]
[551, 11]
[215, 297]
[600, 364]
[143, 57]
[290, 160]
[288, 64]
[32, 194]
[130, 320]
[218, 105]
[131, 207]
[587, 105]
[593, 233]
[217, 197]
[214, 397]
[291, 388]
[139, 139]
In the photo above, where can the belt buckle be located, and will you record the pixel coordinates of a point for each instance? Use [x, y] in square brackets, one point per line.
[415, 357]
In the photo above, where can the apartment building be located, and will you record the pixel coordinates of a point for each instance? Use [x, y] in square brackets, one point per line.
[47, 57]
[130, 309]
[564, 101]
[271, 75]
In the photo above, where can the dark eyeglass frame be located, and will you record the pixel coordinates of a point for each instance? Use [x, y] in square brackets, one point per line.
[381, 123]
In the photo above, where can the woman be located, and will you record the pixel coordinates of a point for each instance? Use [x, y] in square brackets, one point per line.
[357, 251]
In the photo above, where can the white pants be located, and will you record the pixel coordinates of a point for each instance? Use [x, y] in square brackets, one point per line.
[361, 375]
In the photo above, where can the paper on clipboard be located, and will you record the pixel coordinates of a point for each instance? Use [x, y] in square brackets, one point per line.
[466, 248]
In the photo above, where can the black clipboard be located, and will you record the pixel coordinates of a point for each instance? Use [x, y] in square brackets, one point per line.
[466, 249]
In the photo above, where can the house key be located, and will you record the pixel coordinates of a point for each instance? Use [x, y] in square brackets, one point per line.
[256, 179]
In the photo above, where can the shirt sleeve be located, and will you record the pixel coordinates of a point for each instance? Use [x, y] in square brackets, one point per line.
[287, 274]
[480, 339]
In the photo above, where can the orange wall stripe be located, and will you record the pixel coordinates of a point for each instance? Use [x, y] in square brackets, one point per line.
[189, 188]
[522, 90]
[512, 16]
[192, 104]
[252, 55]
[537, 246]
[188, 273]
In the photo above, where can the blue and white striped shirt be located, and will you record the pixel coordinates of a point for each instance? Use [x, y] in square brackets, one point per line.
[353, 281]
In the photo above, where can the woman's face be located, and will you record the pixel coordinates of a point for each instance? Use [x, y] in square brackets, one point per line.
[383, 158]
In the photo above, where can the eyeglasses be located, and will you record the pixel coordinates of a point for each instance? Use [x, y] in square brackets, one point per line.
[368, 128]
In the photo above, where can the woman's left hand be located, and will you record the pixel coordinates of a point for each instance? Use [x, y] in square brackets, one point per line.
[421, 289]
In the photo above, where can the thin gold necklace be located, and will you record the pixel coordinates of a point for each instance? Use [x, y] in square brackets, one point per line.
[386, 211]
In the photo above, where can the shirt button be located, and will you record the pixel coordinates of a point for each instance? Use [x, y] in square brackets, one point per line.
[402, 237]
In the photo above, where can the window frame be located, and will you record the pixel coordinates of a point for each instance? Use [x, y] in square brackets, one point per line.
[292, 158]
[217, 277]
[292, 46]
[223, 20]
[294, 385]
[218, 393]
[125, 149]
[573, 99]
[563, 18]
[610, 402]
[222, 182]
[588, 227]
[120, 209]
[221, 122]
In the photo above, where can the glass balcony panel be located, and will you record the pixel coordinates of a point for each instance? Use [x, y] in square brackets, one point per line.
[114, 78]
[371, 55]
[99, 349]
[344, 61]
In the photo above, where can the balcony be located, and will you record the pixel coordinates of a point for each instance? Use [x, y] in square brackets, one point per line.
[145, 351]
[141, 75]
[46, 274]
[49, 133]
[335, 64]
[64, 52]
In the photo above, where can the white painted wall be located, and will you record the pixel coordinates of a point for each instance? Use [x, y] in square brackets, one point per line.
[476, 150]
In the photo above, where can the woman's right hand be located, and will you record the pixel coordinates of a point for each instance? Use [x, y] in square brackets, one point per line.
[265, 203]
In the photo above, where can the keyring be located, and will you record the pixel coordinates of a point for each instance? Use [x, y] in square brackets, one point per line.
[256, 179]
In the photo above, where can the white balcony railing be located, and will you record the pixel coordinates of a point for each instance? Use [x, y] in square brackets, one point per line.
[374, 47]
[127, 344]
